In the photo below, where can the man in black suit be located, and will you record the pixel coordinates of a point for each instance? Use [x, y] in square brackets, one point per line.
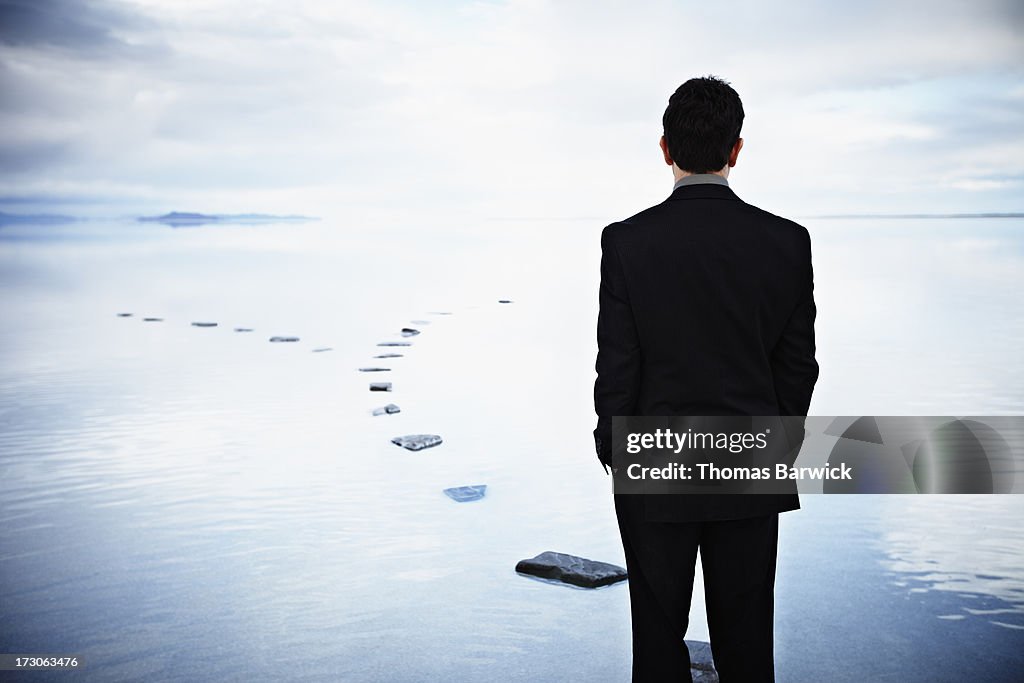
[706, 308]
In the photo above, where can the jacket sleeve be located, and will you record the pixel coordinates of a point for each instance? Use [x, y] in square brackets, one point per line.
[618, 349]
[794, 368]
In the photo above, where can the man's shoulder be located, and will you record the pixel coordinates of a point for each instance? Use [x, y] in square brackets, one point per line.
[664, 211]
[777, 222]
[652, 215]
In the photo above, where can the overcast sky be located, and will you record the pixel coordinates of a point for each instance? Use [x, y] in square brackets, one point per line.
[380, 111]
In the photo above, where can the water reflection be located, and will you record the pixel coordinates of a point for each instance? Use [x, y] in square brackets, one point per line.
[929, 547]
[195, 503]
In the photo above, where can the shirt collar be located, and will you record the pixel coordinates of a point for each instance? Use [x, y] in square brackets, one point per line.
[695, 178]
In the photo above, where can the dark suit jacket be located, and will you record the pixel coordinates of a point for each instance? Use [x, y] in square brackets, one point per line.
[707, 308]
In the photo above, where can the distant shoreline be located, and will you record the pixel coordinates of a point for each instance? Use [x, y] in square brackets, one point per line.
[919, 215]
[195, 218]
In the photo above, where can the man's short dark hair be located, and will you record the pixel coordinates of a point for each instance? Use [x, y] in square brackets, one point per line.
[702, 123]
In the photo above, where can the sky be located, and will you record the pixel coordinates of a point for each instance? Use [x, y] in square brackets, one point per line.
[380, 112]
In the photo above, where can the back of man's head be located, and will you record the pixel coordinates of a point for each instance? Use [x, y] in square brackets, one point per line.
[702, 123]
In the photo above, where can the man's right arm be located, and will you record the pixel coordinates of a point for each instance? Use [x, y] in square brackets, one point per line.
[618, 350]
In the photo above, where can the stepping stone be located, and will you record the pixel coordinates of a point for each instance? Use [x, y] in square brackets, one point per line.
[380, 386]
[202, 324]
[390, 355]
[284, 339]
[124, 315]
[571, 569]
[243, 329]
[152, 320]
[322, 349]
[395, 343]
[420, 322]
[409, 332]
[466, 494]
[389, 409]
[417, 442]
[504, 301]
[374, 369]
[702, 665]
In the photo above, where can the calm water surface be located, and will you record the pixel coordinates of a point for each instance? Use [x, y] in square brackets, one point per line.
[184, 503]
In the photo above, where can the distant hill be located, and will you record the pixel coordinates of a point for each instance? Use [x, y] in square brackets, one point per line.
[34, 219]
[185, 218]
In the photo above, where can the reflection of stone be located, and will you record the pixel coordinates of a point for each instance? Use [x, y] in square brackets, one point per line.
[380, 386]
[466, 494]
[395, 343]
[389, 355]
[577, 571]
[204, 324]
[417, 442]
[963, 456]
[374, 369]
[409, 332]
[284, 339]
[389, 409]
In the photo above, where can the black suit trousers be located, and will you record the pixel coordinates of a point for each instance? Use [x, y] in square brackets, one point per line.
[738, 557]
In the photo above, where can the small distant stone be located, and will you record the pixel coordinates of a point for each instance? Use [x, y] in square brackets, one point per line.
[374, 369]
[322, 349]
[124, 315]
[390, 355]
[440, 313]
[243, 329]
[571, 569]
[420, 322]
[417, 442]
[152, 320]
[389, 409]
[380, 386]
[466, 494]
[284, 339]
[409, 332]
[504, 301]
[203, 324]
[395, 343]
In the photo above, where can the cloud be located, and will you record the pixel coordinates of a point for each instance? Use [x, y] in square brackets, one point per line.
[78, 27]
[487, 109]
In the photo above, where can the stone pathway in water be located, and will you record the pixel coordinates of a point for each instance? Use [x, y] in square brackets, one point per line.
[547, 566]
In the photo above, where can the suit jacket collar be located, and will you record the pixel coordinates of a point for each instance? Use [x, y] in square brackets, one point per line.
[703, 191]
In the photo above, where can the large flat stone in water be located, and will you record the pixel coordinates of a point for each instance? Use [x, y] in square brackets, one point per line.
[380, 386]
[417, 442]
[571, 569]
[389, 409]
[466, 494]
